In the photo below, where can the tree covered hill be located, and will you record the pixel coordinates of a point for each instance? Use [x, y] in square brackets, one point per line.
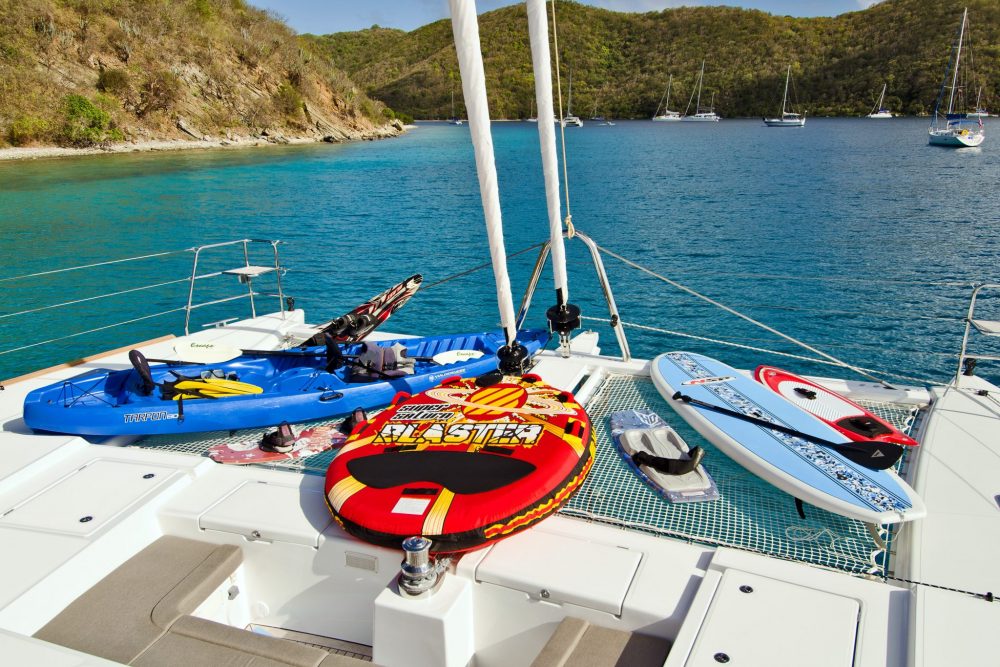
[621, 62]
[86, 72]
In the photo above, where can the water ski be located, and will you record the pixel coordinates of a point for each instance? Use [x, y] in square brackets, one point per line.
[358, 323]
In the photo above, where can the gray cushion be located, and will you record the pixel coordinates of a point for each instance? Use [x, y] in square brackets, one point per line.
[196, 642]
[579, 644]
[132, 607]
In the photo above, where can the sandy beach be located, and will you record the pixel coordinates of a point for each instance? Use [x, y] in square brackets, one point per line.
[231, 142]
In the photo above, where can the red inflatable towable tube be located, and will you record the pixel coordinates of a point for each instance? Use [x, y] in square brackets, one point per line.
[461, 464]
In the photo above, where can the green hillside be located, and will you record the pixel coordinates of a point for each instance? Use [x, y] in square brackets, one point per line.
[94, 72]
[621, 61]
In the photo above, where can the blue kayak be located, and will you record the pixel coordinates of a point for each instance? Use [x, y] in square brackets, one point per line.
[260, 388]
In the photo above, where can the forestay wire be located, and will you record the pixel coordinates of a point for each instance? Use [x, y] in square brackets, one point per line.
[732, 311]
[570, 230]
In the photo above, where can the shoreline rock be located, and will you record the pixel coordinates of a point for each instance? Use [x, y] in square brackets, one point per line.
[230, 142]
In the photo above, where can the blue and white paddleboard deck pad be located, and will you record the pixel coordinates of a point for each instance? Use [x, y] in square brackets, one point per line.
[815, 474]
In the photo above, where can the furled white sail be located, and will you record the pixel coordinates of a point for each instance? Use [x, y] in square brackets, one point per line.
[465, 27]
[538, 27]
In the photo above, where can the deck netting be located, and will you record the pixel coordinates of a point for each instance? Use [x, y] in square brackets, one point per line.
[199, 444]
[750, 514]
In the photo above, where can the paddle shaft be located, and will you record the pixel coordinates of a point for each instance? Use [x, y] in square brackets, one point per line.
[871, 454]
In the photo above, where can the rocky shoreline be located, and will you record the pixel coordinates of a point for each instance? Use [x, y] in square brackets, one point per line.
[230, 141]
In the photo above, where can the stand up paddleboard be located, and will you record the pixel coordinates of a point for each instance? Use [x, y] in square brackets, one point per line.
[811, 472]
[461, 464]
[841, 413]
[644, 441]
[358, 323]
[308, 442]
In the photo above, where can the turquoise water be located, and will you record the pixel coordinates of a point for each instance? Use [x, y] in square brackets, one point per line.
[852, 235]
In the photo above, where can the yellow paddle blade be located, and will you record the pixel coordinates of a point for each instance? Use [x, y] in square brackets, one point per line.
[214, 387]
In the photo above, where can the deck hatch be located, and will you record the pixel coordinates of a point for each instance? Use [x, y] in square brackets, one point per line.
[754, 620]
[562, 569]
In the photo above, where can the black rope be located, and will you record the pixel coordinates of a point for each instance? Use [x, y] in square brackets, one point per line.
[987, 596]
[480, 267]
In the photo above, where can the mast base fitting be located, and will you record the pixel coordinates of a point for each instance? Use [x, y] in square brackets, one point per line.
[563, 318]
[514, 359]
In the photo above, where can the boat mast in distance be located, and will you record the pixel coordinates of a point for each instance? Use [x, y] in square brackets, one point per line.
[786, 118]
[958, 129]
[667, 114]
[699, 115]
[879, 110]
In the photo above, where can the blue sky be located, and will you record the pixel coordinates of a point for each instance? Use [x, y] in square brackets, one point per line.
[325, 16]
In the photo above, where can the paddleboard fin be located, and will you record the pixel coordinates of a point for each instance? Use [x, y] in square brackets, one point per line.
[800, 508]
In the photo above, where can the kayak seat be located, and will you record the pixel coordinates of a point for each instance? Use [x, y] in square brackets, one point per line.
[379, 363]
[577, 642]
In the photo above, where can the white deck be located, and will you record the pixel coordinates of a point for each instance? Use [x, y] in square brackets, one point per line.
[957, 544]
[302, 572]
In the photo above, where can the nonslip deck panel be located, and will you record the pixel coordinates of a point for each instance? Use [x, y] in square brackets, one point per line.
[128, 610]
[577, 643]
[196, 642]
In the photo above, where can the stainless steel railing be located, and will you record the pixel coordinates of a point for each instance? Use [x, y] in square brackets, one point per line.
[245, 271]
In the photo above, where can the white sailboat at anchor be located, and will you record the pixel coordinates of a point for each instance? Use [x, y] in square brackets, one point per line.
[699, 116]
[787, 118]
[667, 115]
[958, 129]
[879, 110]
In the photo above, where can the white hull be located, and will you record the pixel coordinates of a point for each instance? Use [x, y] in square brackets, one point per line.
[572, 121]
[879, 115]
[785, 122]
[667, 118]
[701, 118]
[955, 139]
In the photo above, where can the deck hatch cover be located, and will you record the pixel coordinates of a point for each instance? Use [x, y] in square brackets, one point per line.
[86, 499]
[756, 620]
[569, 570]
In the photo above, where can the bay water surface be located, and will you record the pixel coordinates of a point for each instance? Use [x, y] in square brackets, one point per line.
[850, 234]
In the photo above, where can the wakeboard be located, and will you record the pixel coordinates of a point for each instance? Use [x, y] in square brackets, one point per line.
[308, 442]
[642, 438]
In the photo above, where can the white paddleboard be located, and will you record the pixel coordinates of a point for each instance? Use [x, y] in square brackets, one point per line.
[813, 473]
